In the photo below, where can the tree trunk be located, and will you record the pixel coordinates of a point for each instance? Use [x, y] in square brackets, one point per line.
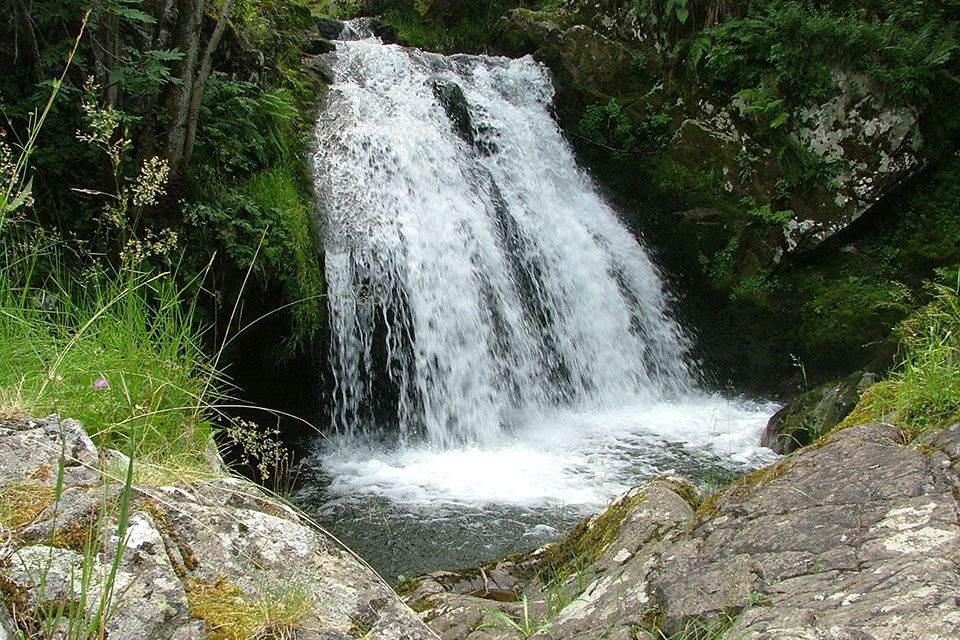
[200, 84]
[26, 25]
[188, 41]
[146, 143]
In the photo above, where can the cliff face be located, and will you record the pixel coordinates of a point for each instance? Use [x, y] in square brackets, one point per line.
[160, 555]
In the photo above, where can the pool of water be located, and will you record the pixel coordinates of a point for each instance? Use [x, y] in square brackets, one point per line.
[412, 509]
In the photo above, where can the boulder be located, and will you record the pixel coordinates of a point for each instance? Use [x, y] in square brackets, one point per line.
[329, 28]
[211, 557]
[319, 46]
[812, 414]
[455, 105]
[855, 538]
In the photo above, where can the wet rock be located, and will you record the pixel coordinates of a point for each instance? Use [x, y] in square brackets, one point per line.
[188, 559]
[856, 537]
[328, 28]
[810, 415]
[386, 32]
[319, 46]
[455, 104]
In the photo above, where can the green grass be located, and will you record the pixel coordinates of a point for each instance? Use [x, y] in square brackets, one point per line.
[926, 384]
[115, 349]
[923, 391]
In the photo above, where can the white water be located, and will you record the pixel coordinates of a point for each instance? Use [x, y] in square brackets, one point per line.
[498, 336]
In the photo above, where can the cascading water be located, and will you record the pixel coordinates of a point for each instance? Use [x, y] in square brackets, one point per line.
[499, 341]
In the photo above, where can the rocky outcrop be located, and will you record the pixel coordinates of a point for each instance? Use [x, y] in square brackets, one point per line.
[855, 538]
[608, 50]
[166, 557]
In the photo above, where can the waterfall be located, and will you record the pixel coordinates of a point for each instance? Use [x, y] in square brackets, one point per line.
[475, 276]
[502, 351]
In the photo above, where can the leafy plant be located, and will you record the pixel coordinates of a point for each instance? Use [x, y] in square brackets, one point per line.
[606, 124]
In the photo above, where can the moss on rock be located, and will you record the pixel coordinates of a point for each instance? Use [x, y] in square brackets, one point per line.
[587, 541]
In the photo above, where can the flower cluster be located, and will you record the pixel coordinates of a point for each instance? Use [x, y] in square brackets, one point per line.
[136, 250]
[150, 183]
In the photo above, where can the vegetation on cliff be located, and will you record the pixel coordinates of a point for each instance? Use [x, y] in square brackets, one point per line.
[214, 90]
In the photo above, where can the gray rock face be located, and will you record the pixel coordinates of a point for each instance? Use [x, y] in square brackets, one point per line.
[214, 554]
[854, 538]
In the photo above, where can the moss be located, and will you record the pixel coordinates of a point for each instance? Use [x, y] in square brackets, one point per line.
[230, 614]
[586, 542]
[22, 501]
[215, 604]
[649, 626]
[877, 401]
[422, 605]
[683, 489]
[408, 586]
[739, 489]
[159, 516]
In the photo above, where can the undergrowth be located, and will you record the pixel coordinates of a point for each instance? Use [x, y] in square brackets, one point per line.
[923, 391]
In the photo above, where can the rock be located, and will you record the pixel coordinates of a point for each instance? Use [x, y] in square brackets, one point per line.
[521, 32]
[216, 554]
[319, 46]
[856, 538]
[812, 414]
[328, 28]
[386, 32]
[879, 144]
[455, 104]
[31, 449]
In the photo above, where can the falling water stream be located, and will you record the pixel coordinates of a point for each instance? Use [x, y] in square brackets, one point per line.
[503, 356]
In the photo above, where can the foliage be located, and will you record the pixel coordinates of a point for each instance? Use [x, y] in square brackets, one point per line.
[113, 349]
[251, 122]
[693, 629]
[608, 125]
[523, 624]
[269, 206]
[446, 27]
[765, 214]
[906, 48]
[926, 383]
[111, 345]
[244, 127]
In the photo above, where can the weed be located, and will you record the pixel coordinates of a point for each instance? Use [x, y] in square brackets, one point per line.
[694, 629]
[523, 624]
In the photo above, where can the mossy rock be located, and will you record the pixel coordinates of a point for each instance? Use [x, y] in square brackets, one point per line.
[814, 413]
[588, 540]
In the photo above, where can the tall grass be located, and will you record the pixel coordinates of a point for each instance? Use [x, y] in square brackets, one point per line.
[923, 390]
[111, 341]
[115, 348]
[926, 385]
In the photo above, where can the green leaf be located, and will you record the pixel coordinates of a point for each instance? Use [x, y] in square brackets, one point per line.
[779, 120]
[21, 197]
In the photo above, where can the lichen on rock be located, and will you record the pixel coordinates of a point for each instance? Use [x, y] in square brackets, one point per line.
[209, 560]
